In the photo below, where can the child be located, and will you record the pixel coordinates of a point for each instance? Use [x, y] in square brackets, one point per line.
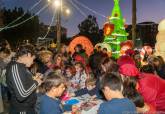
[90, 89]
[80, 77]
[54, 87]
[111, 85]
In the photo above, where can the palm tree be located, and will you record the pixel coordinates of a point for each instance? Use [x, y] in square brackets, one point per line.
[134, 21]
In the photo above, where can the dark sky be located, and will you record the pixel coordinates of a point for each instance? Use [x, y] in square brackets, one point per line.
[147, 10]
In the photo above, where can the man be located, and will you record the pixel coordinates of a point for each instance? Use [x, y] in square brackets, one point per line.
[21, 82]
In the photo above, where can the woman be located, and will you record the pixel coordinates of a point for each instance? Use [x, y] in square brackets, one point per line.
[150, 86]
[44, 62]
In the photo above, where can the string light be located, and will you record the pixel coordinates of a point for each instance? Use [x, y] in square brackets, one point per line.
[78, 8]
[83, 5]
[49, 26]
[21, 16]
[26, 19]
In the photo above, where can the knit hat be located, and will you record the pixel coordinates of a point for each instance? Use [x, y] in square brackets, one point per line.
[128, 70]
[125, 60]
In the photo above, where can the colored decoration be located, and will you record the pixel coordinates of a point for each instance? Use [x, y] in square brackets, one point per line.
[84, 41]
[53, 45]
[124, 46]
[108, 29]
[105, 45]
[114, 36]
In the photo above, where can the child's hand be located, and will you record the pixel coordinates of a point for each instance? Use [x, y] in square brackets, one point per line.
[72, 95]
[75, 109]
[38, 78]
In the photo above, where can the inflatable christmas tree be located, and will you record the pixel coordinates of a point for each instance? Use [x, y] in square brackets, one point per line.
[114, 30]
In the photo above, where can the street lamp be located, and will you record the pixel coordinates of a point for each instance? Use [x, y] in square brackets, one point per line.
[58, 5]
[67, 11]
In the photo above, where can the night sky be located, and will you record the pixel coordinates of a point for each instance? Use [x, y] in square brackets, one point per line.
[147, 10]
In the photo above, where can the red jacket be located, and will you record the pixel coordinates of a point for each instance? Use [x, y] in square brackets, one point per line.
[152, 88]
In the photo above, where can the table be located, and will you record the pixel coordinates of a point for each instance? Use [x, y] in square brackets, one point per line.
[86, 98]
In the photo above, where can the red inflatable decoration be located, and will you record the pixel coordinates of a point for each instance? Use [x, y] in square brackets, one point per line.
[125, 46]
[84, 41]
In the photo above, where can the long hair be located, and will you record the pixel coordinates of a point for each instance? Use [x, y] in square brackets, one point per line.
[45, 54]
[58, 55]
[129, 84]
[109, 64]
[130, 91]
[160, 60]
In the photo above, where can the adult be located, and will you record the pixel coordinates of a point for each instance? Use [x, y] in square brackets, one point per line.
[4, 52]
[150, 86]
[44, 62]
[79, 51]
[21, 82]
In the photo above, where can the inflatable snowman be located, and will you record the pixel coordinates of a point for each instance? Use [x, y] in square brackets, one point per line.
[160, 40]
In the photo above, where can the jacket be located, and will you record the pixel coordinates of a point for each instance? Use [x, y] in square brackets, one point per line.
[21, 86]
[152, 88]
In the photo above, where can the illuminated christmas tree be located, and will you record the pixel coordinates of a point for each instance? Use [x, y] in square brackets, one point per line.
[114, 30]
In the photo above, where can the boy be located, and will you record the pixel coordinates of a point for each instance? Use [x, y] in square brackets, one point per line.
[111, 85]
[90, 89]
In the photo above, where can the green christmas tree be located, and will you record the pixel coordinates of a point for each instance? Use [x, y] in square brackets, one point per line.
[119, 34]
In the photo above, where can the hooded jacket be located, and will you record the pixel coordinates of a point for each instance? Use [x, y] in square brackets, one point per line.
[152, 88]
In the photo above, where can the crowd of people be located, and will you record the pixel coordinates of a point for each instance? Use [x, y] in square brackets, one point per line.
[36, 80]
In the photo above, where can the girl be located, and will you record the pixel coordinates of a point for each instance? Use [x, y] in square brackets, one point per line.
[69, 72]
[80, 77]
[45, 61]
[53, 86]
[58, 61]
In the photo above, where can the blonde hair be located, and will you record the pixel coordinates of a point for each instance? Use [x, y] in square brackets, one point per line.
[45, 54]
[91, 82]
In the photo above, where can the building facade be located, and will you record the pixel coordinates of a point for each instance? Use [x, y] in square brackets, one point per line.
[146, 31]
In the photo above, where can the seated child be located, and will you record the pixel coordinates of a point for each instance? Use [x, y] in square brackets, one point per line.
[111, 85]
[53, 86]
[78, 81]
[90, 89]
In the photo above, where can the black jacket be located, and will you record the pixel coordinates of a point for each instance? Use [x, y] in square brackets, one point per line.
[21, 86]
